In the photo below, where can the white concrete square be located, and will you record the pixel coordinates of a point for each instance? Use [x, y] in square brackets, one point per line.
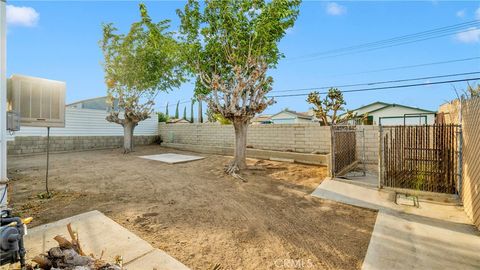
[172, 158]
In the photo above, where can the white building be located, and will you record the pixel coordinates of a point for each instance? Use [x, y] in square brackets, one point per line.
[290, 117]
[395, 114]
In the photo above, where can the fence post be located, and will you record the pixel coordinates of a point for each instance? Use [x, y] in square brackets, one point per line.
[363, 152]
[460, 160]
[332, 151]
[380, 156]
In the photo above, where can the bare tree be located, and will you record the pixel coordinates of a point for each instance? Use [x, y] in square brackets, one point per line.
[328, 110]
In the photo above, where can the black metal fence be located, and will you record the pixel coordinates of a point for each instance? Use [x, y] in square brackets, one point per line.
[421, 157]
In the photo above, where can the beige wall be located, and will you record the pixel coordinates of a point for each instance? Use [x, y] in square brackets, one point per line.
[302, 138]
[371, 144]
[470, 151]
[471, 160]
[38, 144]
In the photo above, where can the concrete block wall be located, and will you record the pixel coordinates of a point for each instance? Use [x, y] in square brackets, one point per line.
[301, 138]
[38, 144]
[371, 144]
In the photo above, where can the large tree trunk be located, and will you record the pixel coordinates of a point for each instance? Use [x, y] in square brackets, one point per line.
[239, 160]
[128, 128]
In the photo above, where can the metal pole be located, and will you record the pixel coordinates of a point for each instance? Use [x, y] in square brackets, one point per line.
[332, 151]
[363, 153]
[3, 105]
[48, 161]
[380, 156]
[460, 160]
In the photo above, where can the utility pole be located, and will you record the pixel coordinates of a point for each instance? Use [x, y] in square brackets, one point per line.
[3, 104]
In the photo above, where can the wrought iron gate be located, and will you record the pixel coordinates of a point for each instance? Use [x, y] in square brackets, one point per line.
[344, 149]
[421, 157]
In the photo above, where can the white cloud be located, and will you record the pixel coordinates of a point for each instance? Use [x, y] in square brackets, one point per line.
[335, 9]
[477, 14]
[22, 16]
[461, 13]
[472, 35]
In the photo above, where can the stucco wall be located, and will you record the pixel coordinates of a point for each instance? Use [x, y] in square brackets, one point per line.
[302, 138]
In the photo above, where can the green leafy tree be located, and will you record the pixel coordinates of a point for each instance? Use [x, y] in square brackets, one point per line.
[177, 114]
[232, 46]
[328, 110]
[166, 111]
[162, 117]
[138, 65]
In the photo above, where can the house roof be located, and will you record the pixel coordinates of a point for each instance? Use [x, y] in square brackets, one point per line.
[403, 106]
[371, 104]
[296, 114]
[262, 117]
[388, 105]
[84, 100]
[177, 121]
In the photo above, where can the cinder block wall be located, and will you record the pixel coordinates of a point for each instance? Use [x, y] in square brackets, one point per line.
[302, 138]
[371, 144]
[38, 144]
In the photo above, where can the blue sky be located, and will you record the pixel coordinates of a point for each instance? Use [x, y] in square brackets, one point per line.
[59, 40]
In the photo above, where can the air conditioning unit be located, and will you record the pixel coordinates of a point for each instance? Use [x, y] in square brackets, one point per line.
[38, 102]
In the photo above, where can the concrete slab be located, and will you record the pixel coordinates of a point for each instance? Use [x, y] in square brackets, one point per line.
[433, 236]
[172, 158]
[99, 233]
[156, 259]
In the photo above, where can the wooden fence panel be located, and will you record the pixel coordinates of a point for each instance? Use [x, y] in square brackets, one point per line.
[421, 157]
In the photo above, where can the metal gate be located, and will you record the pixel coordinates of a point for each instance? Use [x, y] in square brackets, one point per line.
[344, 149]
[423, 158]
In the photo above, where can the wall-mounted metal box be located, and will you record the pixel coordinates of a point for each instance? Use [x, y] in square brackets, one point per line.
[39, 102]
[13, 121]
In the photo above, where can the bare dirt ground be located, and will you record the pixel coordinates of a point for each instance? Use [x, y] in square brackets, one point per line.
[196, 213]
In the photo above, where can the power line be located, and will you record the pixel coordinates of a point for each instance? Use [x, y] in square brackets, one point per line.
[380, 82]
[396, 41]
[400, 38]
[409, 66]
[385, 87]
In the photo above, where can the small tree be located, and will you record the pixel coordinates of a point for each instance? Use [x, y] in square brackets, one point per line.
[162, 118]
[200, 112]
[327, 110]
[233, 44]
[191, 110]
[166, 111]
[137, 66]
[177, 114]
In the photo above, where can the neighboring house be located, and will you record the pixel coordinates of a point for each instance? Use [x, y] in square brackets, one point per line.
[395, 114]
[261, 119]
[291, 117]
[99, 103]
[177, 121]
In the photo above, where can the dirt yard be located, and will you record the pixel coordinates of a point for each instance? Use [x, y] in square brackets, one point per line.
[196, 213]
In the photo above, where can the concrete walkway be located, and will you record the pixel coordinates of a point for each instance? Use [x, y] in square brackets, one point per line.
[96, 233]
[434, 236]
